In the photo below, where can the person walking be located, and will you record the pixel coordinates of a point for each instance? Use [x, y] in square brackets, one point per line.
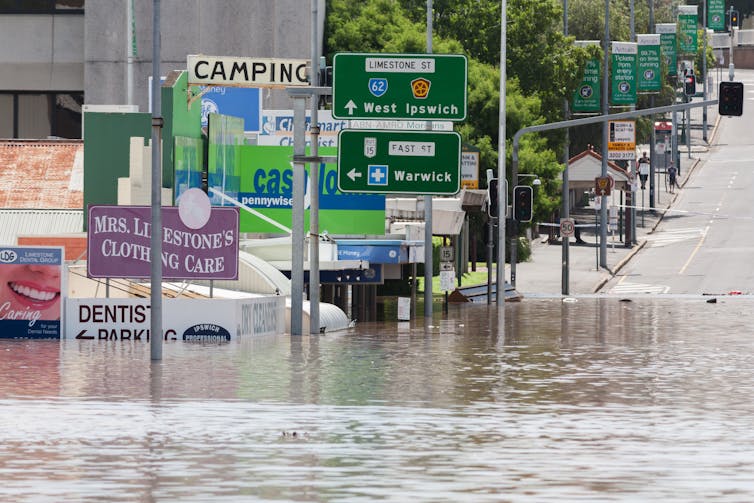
[672, 180]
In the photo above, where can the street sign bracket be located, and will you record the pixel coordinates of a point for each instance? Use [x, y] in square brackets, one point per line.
[327, 159]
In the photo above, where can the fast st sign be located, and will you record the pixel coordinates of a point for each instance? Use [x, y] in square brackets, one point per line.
[399, 86]
[415, 162]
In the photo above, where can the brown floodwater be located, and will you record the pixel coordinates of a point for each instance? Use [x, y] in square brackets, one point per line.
[595, 399]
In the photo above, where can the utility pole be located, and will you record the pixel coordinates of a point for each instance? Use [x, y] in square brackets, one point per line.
[605, 137]
[502, 186]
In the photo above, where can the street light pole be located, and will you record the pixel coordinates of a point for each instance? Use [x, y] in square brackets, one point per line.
[605, 138]
[502, 199]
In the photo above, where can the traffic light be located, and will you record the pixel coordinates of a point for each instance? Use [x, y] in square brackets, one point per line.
[733, 19]
[689, 84]
[523, 197]
[731, 98]
[492, 197]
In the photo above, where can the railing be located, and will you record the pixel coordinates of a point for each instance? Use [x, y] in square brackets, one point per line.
[722, 40]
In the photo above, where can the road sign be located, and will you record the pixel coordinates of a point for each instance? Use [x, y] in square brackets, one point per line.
[399, 86]
[408, 162]
[446, 254]
[567, 227]
[602, 185]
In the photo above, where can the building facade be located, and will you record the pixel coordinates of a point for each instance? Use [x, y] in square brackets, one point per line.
[58, 55]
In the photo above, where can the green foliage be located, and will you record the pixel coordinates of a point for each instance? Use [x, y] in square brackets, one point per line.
[543, 69]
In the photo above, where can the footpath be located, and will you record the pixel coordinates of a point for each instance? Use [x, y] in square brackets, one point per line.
[543, 274]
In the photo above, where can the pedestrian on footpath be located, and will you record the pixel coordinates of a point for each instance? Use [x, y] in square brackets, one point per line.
[672, 172]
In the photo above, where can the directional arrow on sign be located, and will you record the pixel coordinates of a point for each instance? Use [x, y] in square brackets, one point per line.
[353, 174]
[82, 336]
[351, 106]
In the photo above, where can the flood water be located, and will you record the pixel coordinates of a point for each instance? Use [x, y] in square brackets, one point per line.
[592, 400]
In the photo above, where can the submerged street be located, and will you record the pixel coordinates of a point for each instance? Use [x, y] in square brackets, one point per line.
[590, 399]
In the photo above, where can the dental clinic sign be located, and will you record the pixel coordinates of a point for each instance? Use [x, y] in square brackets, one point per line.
[31, 292]
[118, 244]
[246, 72]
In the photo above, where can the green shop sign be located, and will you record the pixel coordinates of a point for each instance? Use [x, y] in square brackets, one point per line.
[716, 15]
[623, 81]
[668, 46]
[648, 64]
[267, 189]
[687, 39]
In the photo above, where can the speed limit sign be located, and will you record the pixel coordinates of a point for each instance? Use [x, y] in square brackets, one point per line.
[566, 227]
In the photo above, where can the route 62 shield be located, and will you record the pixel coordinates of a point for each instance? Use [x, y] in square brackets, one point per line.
[378, 87]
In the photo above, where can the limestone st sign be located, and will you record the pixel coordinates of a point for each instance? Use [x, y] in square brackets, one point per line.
[399, 86]
[415, 162]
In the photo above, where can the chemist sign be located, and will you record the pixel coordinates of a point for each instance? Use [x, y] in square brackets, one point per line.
[118, 244]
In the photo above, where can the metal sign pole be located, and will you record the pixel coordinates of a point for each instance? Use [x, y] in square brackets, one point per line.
[155, 344]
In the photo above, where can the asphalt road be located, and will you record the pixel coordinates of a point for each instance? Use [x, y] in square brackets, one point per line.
[704, 244]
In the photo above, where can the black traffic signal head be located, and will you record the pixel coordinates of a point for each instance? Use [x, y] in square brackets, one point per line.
[523, 199]
[689, 84]
[492, 193]
[734, 19]
[731, 98]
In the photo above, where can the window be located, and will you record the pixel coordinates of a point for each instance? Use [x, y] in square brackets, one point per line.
[41, 6]
[31, 115]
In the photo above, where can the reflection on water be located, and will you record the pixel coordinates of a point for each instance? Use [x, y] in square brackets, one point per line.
[597, 400]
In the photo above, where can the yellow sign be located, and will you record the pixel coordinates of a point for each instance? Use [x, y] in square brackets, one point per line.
[621, 144]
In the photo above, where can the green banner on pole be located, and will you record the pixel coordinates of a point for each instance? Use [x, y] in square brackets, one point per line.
[716, 15]
[587, 97]
[623, 81]
[687, 36]
[648, 65]
[668, 46]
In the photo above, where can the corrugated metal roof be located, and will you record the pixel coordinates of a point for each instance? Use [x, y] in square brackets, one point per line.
[15, 223]
[42, 174]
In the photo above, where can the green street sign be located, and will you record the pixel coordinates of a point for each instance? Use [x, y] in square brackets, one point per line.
[716, 15]
[623, 78]
[687, 35]
[406, 162]
[648, 64]
[399, 86]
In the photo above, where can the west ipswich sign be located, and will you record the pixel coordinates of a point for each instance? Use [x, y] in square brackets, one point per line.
[246, 72]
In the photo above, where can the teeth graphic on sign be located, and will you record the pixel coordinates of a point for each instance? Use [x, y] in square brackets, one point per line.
[370, 147]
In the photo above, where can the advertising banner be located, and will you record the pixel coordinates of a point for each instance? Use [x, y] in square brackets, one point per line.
[242, 102]
[588, 95]
[225, 135]
[277, 128]
[687, 36]
[31, 290]
[470, 167]
[189, 320]
[623, 81]
[188, 158]
[648, 64]
[716, 15]
[267, 188]
[668, 46]
[119, 244]
[621, 145]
